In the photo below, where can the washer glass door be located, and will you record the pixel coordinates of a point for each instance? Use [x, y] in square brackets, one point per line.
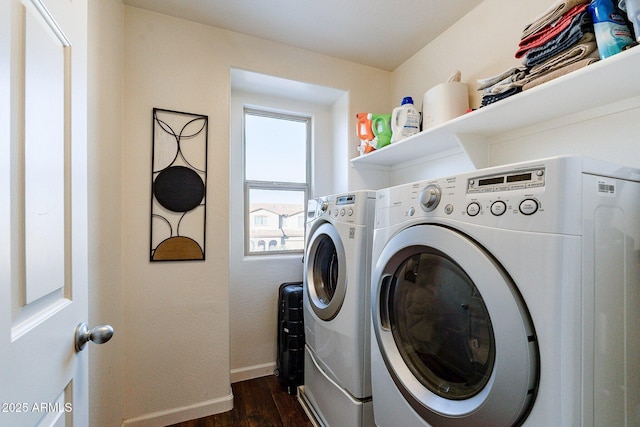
[452, 329]
[441, 325]
[325, 269]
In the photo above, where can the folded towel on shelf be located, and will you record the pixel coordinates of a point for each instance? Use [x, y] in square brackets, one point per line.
[564, 58]
[551, 15]
[490, 99]
[504, 85]
[550, 32]
[593, 57]
[509, 75]
[581, 33]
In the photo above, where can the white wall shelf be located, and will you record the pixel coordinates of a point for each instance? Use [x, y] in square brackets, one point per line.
[605, 82]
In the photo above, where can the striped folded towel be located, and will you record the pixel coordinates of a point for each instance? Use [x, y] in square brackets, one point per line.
[593, 57]
[551, 15]
[549, 32]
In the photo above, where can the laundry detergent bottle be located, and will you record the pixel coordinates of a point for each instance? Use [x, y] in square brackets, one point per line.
[610, 26]
[381, 125]
[363, 127]
[405, 120]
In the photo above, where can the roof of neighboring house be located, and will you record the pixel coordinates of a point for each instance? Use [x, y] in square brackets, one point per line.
[278, 209]
[276, 234]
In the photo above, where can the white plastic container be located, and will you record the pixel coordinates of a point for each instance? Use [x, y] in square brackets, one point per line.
[405, 120]
[612, 32]
[633, 13]
[444, 102]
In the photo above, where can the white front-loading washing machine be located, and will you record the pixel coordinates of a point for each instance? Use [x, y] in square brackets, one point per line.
[509, 296]
[337, 389]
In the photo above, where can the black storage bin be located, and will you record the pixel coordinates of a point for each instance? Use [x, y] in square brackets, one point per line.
[290, 358]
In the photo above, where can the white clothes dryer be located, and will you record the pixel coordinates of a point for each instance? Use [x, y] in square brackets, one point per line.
[509, 296]
[337, 319]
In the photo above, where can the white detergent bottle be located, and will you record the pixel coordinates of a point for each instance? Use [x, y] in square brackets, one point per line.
[405, 120]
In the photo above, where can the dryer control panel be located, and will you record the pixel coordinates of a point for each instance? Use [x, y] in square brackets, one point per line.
[541, 195]
[519, 180]
[499, 185]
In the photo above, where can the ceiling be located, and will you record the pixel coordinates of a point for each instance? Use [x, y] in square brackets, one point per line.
[379, 33]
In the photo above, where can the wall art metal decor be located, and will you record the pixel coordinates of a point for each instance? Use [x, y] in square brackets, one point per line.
[178, 186]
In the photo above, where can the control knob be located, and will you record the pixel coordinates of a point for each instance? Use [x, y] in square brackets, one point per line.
[498, 208]
[473, 209]
[430, 197]
[529, 206]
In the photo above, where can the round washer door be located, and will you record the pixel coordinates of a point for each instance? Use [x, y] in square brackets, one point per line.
[452, 329]
[325, 268]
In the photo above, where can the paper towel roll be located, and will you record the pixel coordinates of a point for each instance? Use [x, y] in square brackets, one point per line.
[444, 102]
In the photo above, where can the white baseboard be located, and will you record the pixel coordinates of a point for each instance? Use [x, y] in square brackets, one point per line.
[251, 372]
[185, 413]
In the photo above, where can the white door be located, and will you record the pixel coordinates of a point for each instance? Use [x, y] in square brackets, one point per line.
[43, 212]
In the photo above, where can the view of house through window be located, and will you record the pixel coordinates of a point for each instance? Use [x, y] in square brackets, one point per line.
[276, 181]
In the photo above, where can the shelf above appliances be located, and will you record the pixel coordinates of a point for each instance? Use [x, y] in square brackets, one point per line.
[605, 82]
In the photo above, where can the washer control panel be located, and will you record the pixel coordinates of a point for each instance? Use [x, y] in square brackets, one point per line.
[339, 206]
[344, 205]
[351, 208]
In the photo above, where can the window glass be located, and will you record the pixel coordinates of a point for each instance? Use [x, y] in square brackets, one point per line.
[276, 170]
[275, 148]
[274, 220]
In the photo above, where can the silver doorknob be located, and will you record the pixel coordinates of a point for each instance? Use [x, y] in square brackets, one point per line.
[98, 335]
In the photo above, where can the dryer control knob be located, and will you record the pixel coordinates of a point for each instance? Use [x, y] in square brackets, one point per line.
[430, 197]
[529, 206]
[324, 206]
[473, 209]
[498, 208]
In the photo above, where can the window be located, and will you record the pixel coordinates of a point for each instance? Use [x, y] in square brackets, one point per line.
[276, 173]
[261, 220]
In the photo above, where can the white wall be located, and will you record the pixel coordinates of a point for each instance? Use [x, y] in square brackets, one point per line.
[342, 129]
[104, 138]
[177, 353]
[176, 313]
[608, 133]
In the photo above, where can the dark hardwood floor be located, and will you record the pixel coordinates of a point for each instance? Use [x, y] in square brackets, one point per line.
[261, 402]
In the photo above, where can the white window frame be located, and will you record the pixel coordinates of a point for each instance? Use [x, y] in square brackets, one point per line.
[271, 185]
